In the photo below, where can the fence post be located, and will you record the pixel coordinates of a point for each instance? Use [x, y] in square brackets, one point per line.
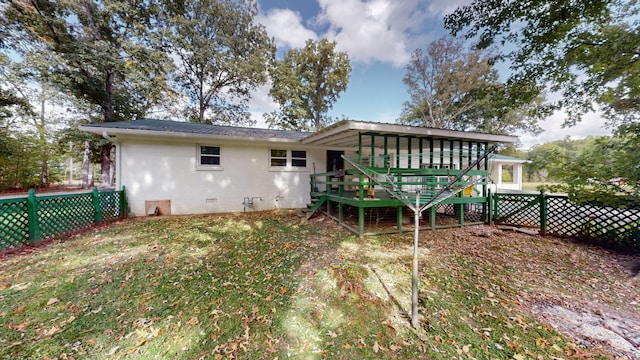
[97, 212]
[124, 206]
[32, 216]
[543, 213]
[495, 199]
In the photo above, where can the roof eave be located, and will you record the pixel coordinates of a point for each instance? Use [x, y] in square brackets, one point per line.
[179, 135]
[344, 126]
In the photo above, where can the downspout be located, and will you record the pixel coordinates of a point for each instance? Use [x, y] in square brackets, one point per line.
[118, 158]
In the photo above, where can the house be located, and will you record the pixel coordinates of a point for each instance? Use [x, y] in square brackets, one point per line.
[186, 168]
[506, 172]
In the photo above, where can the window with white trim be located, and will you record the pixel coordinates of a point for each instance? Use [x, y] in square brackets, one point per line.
[208, 157]
[299, 158]
[281, 159]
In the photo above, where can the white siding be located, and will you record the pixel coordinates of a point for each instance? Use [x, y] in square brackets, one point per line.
[164, 170]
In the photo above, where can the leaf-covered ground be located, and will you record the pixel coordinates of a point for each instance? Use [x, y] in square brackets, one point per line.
[264, 286]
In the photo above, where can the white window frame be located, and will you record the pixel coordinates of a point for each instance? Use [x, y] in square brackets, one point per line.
[200, 165]
[289, 160]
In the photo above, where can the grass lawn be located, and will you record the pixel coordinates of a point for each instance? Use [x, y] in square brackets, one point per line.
[262, 285]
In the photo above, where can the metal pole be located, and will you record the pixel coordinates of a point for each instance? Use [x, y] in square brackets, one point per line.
[414, 278]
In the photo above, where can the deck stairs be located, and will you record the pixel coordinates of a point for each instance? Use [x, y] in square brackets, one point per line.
[312, 207]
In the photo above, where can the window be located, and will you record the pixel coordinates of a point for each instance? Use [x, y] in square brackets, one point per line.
[208, 156]
[299, 158]
[280, 158]
[507, 174]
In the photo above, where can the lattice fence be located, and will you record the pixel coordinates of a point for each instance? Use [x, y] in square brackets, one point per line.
[517, 209]
[557, 215]
[29, 219]
[14, 222]
[66, 213]
[610, 224]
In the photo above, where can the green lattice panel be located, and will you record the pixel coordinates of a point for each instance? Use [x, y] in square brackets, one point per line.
[517, 209]
[110, 205]
[474, 212]
[14, 223]
[64, 214]
[596, 222]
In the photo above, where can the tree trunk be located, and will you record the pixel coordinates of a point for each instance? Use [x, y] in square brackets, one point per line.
[42, 137]
[105, 150]
[85, 165]
[112, 173]
[105, 165]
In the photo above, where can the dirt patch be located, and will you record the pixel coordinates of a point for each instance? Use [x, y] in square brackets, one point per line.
[591, 326]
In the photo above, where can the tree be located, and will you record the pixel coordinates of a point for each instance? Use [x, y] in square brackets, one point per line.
[306, 84]
[222, 56]
[452, 87]
[96, 50]
[585, 51]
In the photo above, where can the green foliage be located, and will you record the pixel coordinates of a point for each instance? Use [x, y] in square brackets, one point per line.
[452, 87]
[588, 168]
[306, 84]
[97, 51]
[222, 56]
[585, 50]
[100, 51]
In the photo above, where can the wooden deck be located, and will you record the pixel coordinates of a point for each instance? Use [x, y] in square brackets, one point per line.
[343, 197]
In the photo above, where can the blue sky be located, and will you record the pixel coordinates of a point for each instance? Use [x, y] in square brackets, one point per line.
[379, 36]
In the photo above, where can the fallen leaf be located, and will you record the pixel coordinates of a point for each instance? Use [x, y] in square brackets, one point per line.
[54, 330]
[19, 327]
[52, 301]
[113, 350]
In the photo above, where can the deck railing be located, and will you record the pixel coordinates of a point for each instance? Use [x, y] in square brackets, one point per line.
[32, 218]
[427, 181]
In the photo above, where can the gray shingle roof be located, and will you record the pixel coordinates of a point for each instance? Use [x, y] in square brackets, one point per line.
[200, 129]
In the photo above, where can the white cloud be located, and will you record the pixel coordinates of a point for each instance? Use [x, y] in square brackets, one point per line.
[376, 30]
[386, 31]
[286, 26]
[261, 103]
[592, 124]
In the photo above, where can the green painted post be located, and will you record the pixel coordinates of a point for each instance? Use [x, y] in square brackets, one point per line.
[399, 224]
[360, 221]
[97, 212]
[543, 213]
[32, 215]
[124, 206]
[495, 208]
